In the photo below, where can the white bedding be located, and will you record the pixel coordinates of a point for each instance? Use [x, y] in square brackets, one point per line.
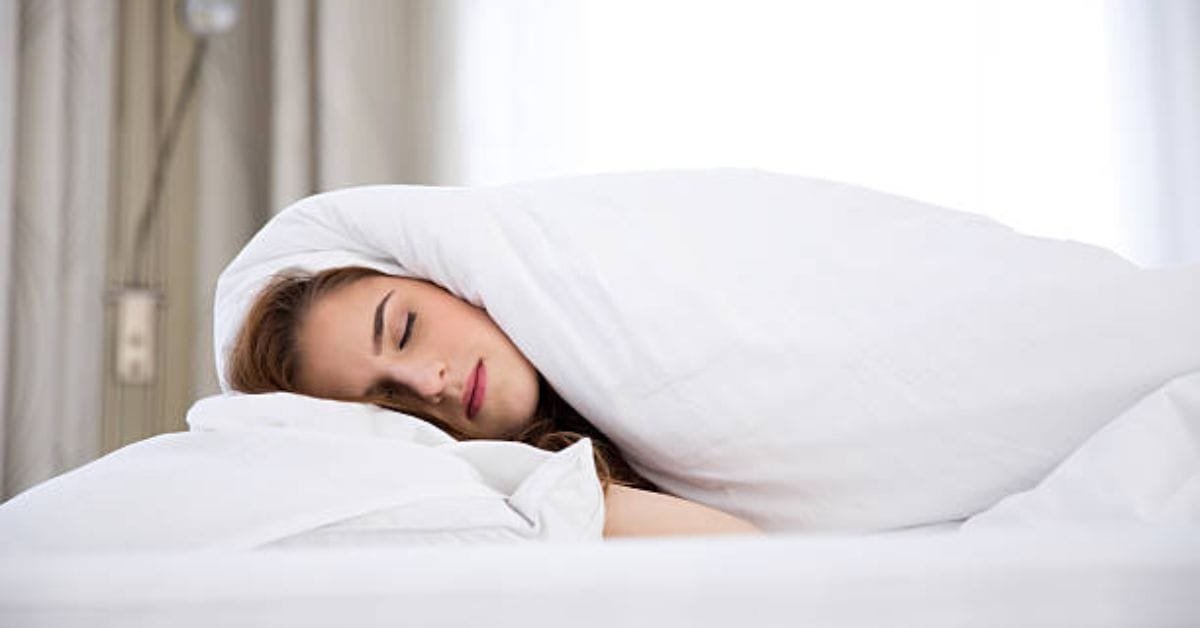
[286, 470]
[1096, 577]
[805, 354]
[1143, 468]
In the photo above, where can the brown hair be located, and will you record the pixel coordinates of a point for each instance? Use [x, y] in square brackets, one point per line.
[265, 358]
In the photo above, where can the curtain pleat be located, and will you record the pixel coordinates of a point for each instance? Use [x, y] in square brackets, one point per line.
[234, 164]
[59, 203]
[294, 163]
[8, 69]
[1157, 70]
[366, 60]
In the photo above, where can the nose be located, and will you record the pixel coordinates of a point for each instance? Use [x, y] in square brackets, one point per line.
[424, 378]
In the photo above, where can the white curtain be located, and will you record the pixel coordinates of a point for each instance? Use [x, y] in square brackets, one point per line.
[514, 92]
[55, 102]
[1156, 55]
[1074, 118]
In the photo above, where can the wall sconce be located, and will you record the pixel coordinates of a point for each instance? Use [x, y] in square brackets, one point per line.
[138, 303]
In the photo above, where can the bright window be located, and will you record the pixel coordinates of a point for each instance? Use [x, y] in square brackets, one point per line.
[1001, 108]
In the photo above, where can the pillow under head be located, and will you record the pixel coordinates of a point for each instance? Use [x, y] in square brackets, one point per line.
[286, 470]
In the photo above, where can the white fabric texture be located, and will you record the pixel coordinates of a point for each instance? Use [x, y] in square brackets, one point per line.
[1098, 578]
[1143, 468]
[282, 469]
[805, 354]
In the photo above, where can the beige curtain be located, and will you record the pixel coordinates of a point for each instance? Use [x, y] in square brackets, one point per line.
[301, 96]
[56, 77]
[8, 56]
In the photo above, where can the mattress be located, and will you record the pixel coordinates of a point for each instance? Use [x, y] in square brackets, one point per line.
[1135, 576]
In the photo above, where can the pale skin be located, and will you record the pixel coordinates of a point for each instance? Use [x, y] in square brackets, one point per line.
[447, 359]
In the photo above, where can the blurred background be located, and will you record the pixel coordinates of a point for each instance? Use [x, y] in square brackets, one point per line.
[142, 142]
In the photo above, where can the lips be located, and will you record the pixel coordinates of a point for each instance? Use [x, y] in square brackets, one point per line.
[475, 389]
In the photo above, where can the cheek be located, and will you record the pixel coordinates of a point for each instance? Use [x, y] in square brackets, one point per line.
[525, 403]
[310, 378]
[515, 407]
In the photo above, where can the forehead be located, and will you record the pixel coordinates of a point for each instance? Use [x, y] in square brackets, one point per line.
[347, 309]
[354, 293]
[374, 286]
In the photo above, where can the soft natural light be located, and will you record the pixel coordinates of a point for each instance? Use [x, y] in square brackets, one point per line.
[998, 108]
[1001, 108]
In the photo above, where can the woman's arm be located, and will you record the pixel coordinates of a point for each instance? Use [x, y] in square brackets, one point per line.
[634, 512]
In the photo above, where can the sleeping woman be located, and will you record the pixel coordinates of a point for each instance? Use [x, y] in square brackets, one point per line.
[357, 334]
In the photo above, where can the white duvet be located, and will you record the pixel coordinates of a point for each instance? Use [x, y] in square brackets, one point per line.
[805, 354]
[1142, 468]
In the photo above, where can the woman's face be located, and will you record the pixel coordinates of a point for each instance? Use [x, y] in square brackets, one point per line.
[421, 345]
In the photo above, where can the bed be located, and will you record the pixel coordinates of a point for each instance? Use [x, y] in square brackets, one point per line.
[1077, 577]
[938, 421]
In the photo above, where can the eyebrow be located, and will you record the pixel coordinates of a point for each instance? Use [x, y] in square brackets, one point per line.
[376, 339]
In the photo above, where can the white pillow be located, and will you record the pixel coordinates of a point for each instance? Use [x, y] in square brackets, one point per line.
[806, 354]
[282, 469]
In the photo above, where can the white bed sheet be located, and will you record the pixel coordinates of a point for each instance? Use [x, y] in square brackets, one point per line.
[1143, 577]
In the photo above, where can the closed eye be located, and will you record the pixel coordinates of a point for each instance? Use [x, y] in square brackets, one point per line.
[408, 325]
